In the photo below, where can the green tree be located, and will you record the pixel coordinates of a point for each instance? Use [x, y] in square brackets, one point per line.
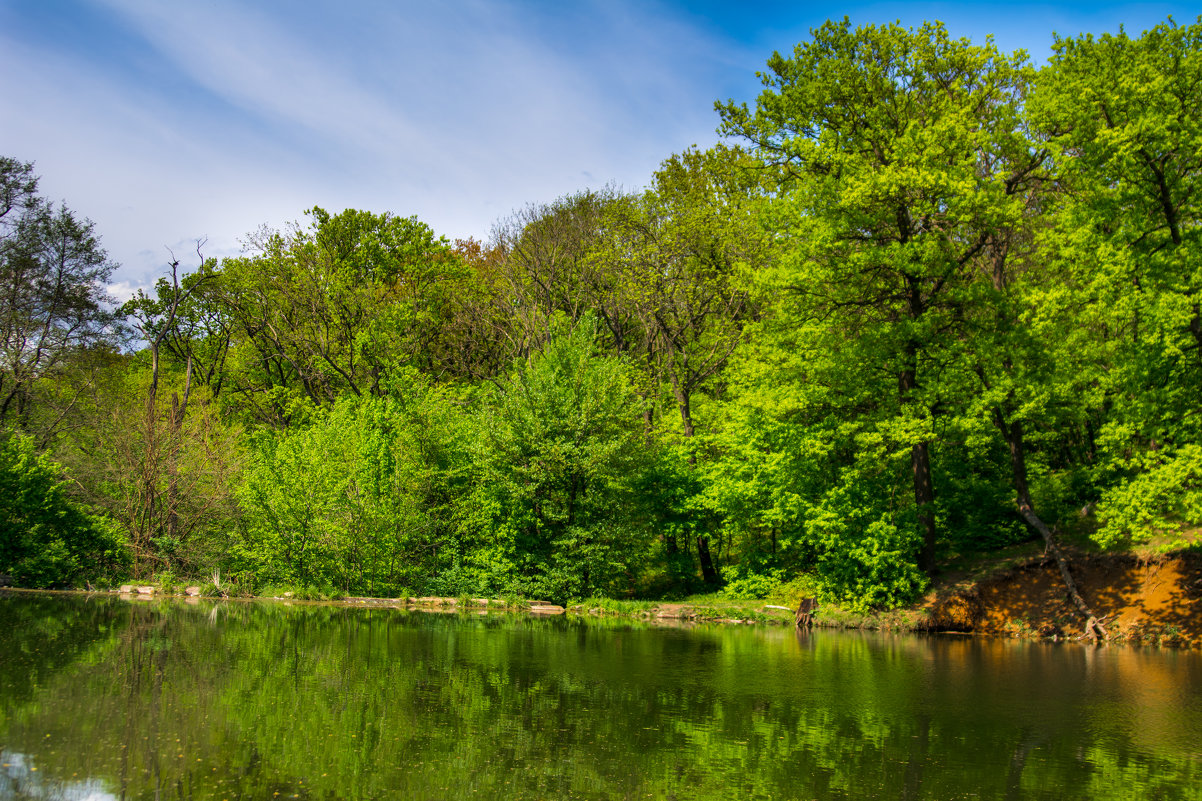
[335, 309]
[563, 448]
[363, 497]
[554, 263]
[681, 254]
[166, 480]
[900, 150]
[53, 273]
[1123, 118]
[159, 320]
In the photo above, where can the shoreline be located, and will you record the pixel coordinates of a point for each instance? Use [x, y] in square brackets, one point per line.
[1020, 602]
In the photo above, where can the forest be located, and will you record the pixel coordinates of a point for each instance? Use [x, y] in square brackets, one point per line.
[927, 298]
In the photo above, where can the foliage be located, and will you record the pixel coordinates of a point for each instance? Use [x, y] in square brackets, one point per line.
[562, 451]
[793, 592]
[609, 606]
[300, 592]
[340, 307]
[166, 480]
[362, 498]
[737, 583]
[1122, 117]
[1162, 496]
[900, 150]
[46, 539]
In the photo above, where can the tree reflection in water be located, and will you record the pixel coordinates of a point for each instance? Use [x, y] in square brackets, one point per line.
[158, 699]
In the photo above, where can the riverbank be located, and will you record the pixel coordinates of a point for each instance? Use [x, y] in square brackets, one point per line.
[1153, 599]
[1149, 600]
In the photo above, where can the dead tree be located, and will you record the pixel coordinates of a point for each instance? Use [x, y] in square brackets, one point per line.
[804, 617]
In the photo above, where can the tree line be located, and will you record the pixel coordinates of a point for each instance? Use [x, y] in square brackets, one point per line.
[926, 299]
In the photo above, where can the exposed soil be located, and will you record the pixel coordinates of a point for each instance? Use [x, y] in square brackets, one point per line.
[1154, 600]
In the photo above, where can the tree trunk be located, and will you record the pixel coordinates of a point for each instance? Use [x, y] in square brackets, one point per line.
[670, 545]
[803, 618]
[924, 485]
[684, 404]
[708, 573]
[924, 501]
[144, 528]
[178, 410]
[1013, 434]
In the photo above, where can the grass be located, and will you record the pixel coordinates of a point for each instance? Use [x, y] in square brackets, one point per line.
[514, 602]
[610, 606]
[701, 607]
[300, 592]
[1164, 543]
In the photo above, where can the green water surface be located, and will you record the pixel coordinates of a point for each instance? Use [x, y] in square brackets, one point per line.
[102, 698]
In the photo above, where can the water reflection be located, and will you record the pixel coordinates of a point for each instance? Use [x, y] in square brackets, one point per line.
[142, 700]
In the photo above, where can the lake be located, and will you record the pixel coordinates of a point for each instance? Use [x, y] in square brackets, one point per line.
[102, 698]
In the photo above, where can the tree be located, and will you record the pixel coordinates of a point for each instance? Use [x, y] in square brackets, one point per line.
[335, 308]
[362, 497]
[553, 261]
[1123, 118]
[156, 524]
[53, 273]
[169, 487]
[900, 150]
[563, 450]
[681, 254]
[480, 336]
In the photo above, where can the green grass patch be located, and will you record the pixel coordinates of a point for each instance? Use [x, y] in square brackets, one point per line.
[300, 592]
[610, 606]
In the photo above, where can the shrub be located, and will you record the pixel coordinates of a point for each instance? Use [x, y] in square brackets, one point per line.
[46, 540]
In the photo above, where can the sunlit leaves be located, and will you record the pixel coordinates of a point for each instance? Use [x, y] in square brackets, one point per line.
[563, 448]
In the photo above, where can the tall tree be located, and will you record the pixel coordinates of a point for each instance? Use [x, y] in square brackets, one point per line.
[53, 276]
[158, 320]
[681, 254]
[898, 148]
[1124, 118]
[562, 453]
[553, 263]
[480, 336]
[335, 308]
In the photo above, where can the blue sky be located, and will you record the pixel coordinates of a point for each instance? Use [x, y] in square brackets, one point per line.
[165, 121]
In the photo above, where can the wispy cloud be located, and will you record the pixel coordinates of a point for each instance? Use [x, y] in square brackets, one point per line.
[471, 94]
[232, 115]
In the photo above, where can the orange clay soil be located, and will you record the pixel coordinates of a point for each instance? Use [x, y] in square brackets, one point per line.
[1157, 600]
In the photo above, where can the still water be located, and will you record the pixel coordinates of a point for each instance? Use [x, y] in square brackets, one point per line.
[102, 698]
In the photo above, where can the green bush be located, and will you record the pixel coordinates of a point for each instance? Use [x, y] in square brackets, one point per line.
[562, 454]
[361, 497]
[46, 540]
[742, 583]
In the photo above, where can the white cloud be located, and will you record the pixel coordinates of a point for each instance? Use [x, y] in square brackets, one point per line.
[231, 116]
